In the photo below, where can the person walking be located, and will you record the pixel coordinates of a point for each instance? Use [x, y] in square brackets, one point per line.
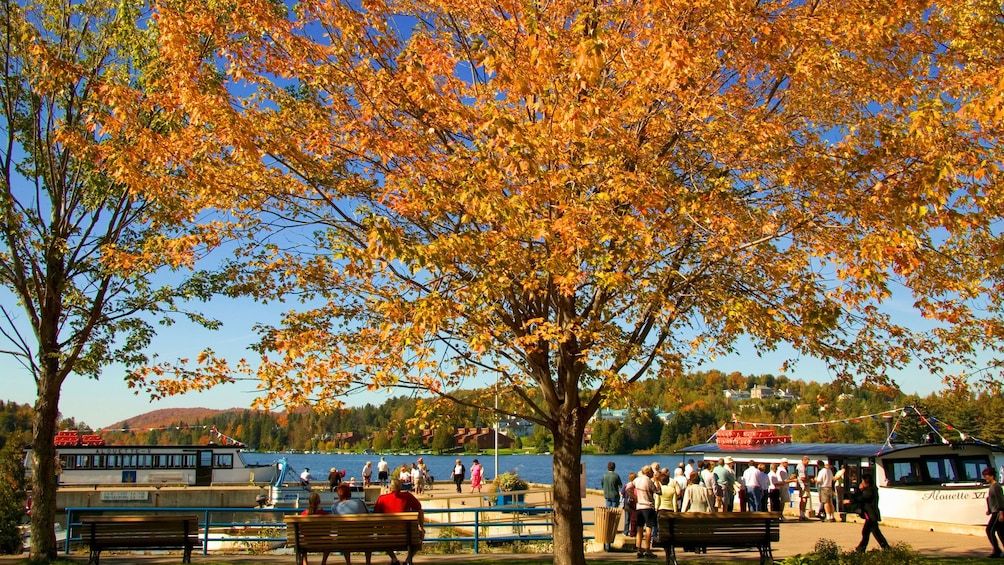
[477, 475]
[867, 500]
[459, 471]
[995, 509]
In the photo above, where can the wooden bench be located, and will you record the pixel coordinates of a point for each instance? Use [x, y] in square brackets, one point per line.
[140, 532]
[719, 530]
[352, 533]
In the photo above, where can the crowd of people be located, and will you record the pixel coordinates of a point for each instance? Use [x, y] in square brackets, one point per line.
[711, 486]
[415, 477]
[725, 486]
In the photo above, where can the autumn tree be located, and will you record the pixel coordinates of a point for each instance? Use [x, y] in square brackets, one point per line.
[80, 240]
[564, 198]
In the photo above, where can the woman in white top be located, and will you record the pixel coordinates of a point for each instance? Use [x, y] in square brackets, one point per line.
[695, 498]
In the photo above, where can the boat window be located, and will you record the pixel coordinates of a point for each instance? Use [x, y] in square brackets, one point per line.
[145, 461]
[902, 471]
[112, 462]
[99, 462]
[224, 461]
[940, 470]
[971, 468]
[80, 462]
[189, 460]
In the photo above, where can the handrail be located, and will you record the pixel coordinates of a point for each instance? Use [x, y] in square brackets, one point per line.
[528, 523]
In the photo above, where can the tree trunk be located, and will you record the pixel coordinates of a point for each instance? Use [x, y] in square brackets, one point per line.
[43, 481]
[567, 462]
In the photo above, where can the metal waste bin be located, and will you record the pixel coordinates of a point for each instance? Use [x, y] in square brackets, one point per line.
[607, 523]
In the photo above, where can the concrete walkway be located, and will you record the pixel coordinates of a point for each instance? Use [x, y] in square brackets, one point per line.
[796, 538]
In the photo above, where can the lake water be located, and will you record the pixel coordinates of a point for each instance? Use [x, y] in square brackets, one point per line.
[533, 468]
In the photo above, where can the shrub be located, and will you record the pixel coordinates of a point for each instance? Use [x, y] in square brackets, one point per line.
[826, 552]
[510, 481]
[12, 496]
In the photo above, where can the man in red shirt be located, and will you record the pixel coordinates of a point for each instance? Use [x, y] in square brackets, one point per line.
[397, 501]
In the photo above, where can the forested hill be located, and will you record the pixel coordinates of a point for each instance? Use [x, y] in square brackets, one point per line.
[697, 401]
[168, 416]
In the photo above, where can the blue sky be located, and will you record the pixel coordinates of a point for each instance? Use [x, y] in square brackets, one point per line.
[101, 403]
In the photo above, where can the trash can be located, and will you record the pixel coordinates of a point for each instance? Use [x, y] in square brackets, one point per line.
[607, 523]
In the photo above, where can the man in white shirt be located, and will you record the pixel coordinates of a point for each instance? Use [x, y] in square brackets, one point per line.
[305, 478]
[708, 480]
[765, 487]
[802, 481]
[824, 480]
[383, 471]
[645, 491]
[751, 478]
[783, 477]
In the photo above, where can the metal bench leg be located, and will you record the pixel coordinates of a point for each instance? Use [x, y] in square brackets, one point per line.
[95, 555]
[187, 557]
[671, 555]
[766, 555]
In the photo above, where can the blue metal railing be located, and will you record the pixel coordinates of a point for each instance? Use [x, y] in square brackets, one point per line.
[519, 523]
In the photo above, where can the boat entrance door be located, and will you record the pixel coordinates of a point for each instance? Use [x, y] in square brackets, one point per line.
[204, 468]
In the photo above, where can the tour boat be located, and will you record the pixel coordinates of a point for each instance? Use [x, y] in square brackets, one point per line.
[938, 482]
[193, 465]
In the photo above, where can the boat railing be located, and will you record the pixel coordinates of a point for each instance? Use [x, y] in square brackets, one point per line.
[252, 529]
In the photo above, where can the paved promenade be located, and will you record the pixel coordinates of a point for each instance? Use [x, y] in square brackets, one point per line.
[796, 538]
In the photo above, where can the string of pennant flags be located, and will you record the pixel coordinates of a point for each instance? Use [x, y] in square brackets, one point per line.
[219, 436]
[931, 422]
[855, 420]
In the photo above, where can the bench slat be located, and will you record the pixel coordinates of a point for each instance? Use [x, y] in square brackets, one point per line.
[141, 532]
[731, 530]
[353, 532]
